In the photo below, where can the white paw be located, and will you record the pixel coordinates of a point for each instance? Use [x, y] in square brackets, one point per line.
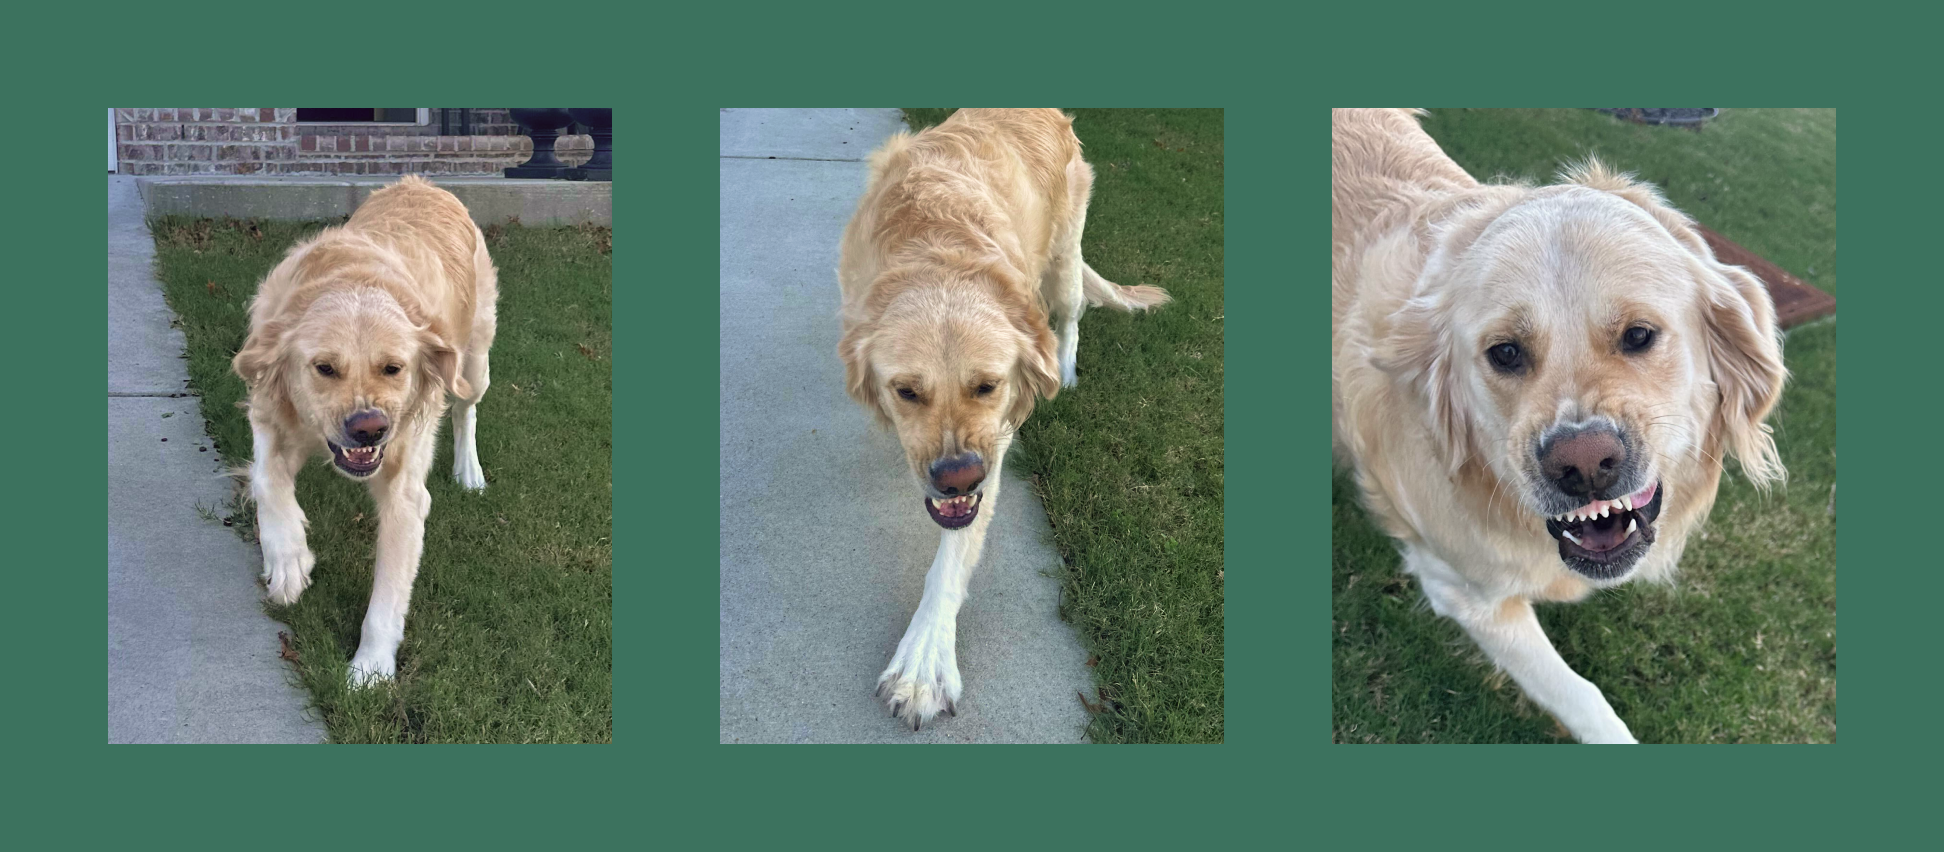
[286, 569]
[469, 475]
[1069, 375]
[371, 668]
[921, 682]
[1609, 731]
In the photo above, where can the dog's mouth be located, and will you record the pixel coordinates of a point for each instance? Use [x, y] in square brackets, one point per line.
[1605, 538]
[954, 512]
[357, 462]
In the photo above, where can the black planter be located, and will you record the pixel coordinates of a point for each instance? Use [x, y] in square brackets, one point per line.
[600, 125]
[544, 126]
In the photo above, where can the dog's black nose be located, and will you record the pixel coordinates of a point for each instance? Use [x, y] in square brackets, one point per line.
[366, 428]
[960, 474]
[1583, 463]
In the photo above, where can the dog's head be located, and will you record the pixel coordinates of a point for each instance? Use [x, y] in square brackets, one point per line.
[354, 368]
[1583, 345]
[954, 371]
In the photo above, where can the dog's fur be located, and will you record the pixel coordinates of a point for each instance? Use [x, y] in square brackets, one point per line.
[398, 306]
[967, 237]
[1430, 272]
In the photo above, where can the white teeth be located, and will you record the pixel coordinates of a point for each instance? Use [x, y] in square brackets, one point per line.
[1631, 525]
[1574, 538]
[1627, 502]
[1604, 509]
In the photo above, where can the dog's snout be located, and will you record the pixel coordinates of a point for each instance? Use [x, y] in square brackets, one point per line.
[959, 474]
[366, 428]
[1583, 463]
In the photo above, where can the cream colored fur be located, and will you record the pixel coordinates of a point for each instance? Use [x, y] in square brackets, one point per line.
[963, 287]
[1428, 268]
[398, 307]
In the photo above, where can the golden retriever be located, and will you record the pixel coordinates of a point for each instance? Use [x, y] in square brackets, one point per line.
[1534, 386]
[964, 247]
[356, 339]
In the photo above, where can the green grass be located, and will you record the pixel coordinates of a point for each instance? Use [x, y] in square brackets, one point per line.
[509, 634]
[1129, 464]
[1743, 647]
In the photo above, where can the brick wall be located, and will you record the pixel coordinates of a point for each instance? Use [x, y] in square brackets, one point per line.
[205, 141]
[269, 141]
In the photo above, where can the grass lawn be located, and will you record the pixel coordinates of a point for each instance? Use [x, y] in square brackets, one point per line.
[509, 634]
[1129, 463]
[1743, 647]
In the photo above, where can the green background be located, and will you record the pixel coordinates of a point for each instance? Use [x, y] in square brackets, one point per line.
[665, 782]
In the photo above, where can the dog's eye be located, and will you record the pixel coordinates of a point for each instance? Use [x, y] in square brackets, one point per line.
[391, 369]
[1506, 356]
[985, 388]
[908, 393]
[1637, 338]
[325, 370]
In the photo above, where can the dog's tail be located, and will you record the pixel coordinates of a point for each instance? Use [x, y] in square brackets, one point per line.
[1104, 293]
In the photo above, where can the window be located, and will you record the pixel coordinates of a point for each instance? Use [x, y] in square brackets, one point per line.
[388, 115]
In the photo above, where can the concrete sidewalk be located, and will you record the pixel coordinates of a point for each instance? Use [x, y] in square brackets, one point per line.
[824, 546]
[191, 656]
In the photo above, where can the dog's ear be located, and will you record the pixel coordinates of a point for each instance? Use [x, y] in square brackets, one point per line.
[859, 379]
[1037, 372]
[1745, 361]
[1418, 351]
[259, 362]
[1744, 346]
[439, 365]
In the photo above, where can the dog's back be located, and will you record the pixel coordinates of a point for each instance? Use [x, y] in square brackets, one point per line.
[1379, 159]
[985, 181]
[446, 277]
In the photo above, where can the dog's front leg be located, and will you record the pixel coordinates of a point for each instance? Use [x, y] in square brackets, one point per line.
[287, 559]
[923, 678]
[403, 503]
[1509, 633]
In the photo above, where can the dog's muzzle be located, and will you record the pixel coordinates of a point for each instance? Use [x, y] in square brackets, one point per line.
[1604, 539]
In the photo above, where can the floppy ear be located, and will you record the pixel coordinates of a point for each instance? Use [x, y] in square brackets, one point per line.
[439, 364]
[1418, 351]
[855, 351]
[259, 360]
[1037, 373]
[1745, 360]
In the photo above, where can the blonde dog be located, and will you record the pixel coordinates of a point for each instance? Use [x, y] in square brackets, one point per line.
[356, 340]
[1535, 387]
[967, 237]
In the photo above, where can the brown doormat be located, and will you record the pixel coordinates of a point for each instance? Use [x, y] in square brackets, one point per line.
[1795, 302]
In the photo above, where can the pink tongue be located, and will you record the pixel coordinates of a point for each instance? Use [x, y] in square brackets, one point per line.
[953, 509]
[1604, 534]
